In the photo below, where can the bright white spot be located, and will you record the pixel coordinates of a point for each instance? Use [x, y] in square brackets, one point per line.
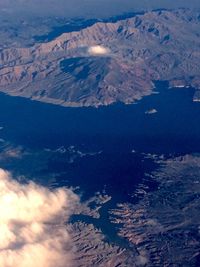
[32, 224]
[98, 50]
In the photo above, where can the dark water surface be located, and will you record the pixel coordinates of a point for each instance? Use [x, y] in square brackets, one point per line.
[116, 131]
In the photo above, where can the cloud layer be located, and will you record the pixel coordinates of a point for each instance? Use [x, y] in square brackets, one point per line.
[98, 50]
[32, 225]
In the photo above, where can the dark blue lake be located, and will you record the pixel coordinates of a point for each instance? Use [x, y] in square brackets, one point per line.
[119, 128]
[116, 131]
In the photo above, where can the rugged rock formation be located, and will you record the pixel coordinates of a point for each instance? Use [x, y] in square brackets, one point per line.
[159, 45]
[164, 224]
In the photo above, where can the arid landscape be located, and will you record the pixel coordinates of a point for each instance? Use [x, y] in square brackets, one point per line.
[137, 52]
[102, 167]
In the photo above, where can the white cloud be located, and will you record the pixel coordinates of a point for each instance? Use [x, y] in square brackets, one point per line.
[32, 224]
[98, 50]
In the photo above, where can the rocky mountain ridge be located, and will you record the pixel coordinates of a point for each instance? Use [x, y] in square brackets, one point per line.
[159, 45]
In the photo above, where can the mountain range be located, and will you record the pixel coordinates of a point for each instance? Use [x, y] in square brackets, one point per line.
[135, 52]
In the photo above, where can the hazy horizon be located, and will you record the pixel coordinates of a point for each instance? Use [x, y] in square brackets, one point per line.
[88, 8]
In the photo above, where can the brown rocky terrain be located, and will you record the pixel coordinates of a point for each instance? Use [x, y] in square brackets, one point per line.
[159, 45]
[164, 224]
